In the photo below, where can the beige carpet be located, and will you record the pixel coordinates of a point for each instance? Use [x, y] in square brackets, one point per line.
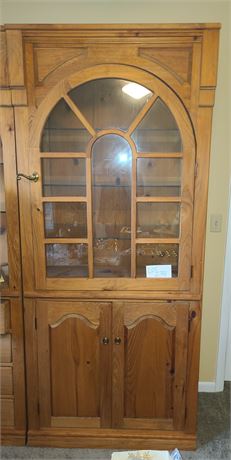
[213, 436]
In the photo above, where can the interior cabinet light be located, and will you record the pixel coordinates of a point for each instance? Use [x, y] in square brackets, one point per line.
[136, 91]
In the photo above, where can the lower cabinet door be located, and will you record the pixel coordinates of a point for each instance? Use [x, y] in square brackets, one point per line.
[74, 363]
[150, 343]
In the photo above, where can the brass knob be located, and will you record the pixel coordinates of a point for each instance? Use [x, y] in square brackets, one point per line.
[117, 340]
[105, 340]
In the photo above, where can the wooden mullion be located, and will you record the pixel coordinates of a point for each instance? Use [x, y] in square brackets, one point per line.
[63, 199]
[79, 115]
[158, 199]
[133, 218]
[141, 114]
[157, 240]
[89, 218]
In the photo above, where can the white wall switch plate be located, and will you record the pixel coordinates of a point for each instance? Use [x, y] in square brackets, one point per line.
[215, 222]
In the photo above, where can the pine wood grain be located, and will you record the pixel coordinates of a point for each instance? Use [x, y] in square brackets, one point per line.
[71, 352]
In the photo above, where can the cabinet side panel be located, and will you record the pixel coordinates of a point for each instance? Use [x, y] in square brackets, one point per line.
[204, 122]
[21, 127]
[7, 134]
[18, 364]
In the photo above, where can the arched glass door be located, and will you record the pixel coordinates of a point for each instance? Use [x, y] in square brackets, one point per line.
[114, 187]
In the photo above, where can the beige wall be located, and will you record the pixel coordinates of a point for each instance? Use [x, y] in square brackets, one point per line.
[151, 11]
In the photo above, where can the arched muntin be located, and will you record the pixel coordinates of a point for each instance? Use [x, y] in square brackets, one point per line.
[142, 77]
[184, 239]
[105, 132]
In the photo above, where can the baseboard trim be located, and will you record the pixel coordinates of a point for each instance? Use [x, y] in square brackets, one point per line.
[207, 387]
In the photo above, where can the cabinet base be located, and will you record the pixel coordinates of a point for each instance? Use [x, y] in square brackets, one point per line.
[11, 437]
[112, 439]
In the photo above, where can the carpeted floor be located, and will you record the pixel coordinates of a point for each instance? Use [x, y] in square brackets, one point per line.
[213, 436]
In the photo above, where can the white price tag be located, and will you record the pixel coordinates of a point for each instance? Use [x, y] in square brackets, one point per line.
[158, 271]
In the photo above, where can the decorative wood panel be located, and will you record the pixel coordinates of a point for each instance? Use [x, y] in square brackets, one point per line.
[7, 412]
[3, 60]
[5, 349]
[46, 60]
[74, 363]
[177, 61]
[4, 316]
[6, 379]
[74, 345]
[150, 365]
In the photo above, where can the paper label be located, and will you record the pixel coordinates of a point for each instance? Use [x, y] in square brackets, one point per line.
[158, 271]
[142, 455]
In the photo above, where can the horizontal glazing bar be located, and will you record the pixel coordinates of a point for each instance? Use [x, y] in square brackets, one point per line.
[63, 155]
[60, 199]
[65, 240]
[159, 155]
[158, 199]
[157, 240]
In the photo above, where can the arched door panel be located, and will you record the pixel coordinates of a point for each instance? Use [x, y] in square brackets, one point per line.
[113, 209]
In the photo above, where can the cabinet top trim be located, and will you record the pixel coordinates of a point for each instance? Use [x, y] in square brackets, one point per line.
[115, 27]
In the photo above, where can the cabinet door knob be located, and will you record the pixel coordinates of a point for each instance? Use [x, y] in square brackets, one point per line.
[34, 177]
[117, 340]
[105, 340]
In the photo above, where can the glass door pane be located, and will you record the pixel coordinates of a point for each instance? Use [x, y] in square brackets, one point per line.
[158, 131]
[4, 268]
[106, 104]
[156, 255]
[111, 189]
[159, 176]
[63, 132]
[64, 176]
[65, 220]
[67, 260]
[159, 220]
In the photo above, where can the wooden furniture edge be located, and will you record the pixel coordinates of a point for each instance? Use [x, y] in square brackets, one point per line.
[52, 439]
[151, 296]
[11, 437]
[130, 26]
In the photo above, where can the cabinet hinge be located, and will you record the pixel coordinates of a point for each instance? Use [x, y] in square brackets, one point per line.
[191, 271]
[196, 169]
[35, 322]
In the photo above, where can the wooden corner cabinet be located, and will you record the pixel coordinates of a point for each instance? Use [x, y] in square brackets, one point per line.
[111, 125]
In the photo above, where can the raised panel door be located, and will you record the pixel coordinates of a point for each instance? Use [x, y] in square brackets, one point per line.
[149, 365]
[74, 363]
